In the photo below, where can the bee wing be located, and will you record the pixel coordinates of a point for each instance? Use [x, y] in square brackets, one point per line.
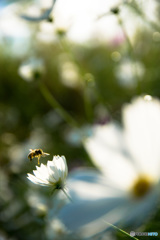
[45, 154]
[30, 149]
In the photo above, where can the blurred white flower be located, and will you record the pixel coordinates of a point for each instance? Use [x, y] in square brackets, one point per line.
[77, 135]
[41, 16]
[128, 191]
[53, 174]
[69, 74]
[5, 192]
[55, 229]
[14, 31]
[84, 26]
[31, 69]
[37, 201]
[128, 71]
[81, 18]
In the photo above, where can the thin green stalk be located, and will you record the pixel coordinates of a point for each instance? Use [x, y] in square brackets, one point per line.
[131, 49]
[67, 194]
[132, 53]
[120, 230]
[56, 105]
[53, 191]
[87, 102]
[138, 10]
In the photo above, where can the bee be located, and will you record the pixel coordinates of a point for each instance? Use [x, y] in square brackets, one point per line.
[36, 153]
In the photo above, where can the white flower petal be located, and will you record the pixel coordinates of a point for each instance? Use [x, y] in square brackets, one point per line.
[43, 171]
[44, 16]
[88, 217]
[61, 170]
[64, 169]
[52, 173]
[37, 180]
[53, 169]
[142, 132]
[88, 214]
[90, 185]
[116, 216]
[38, 175]
[94, 201]
[108, 153]
[142, 209]
[58, 162]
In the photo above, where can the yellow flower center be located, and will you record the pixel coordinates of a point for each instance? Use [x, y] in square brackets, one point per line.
[142, 186]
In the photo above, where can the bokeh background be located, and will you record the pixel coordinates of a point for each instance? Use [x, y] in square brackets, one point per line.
[74, 68]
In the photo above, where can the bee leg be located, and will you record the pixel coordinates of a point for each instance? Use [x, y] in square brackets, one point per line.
[38, 160]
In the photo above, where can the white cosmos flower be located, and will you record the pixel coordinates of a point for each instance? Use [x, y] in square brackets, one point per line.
[128, 190]
[53, 174]
[31, 69]
[44, 16]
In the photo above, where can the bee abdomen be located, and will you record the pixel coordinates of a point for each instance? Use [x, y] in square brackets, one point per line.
[30, 157]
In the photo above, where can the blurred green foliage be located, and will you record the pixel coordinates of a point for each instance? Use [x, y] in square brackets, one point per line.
[24, 109]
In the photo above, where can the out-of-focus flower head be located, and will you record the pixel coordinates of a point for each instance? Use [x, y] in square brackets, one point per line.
[56, 229]
[129, 72]
[76, 136]
[69, 74]
[38, 202]
[31, 69]
[45, 15]
[5, 192]
[16, 32]
[126, 190]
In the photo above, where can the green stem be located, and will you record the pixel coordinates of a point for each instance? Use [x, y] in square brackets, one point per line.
[132, 53]
[87, 103]
[138, 10]
[131, 49]
[120, 230]
[56, 105]
[67, 194]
